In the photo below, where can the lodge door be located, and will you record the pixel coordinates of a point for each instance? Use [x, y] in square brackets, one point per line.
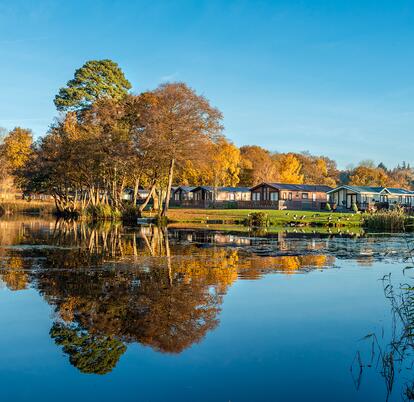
[350, 199]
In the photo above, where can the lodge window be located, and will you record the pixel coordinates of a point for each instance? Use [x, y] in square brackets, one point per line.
[305, 196]
[400, 199]
[274, 196]
[284, 196]
[256, 196]
[290, 196]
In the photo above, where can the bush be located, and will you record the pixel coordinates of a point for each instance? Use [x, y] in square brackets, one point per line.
[257, 219]
[355, 207]
[230, 205]
[328, 206]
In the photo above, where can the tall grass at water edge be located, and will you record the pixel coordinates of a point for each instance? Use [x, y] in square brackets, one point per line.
[395, 220]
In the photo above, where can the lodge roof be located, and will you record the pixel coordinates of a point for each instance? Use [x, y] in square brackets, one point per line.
[187, 189]
[297, 187]
[223, 188]
[374, 190]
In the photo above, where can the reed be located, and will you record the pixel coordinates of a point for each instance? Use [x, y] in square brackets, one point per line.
[395, 220]
[394, 357]
[26, 207]
[102, 212]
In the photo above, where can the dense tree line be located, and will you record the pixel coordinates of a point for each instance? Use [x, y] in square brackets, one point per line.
[107, 139]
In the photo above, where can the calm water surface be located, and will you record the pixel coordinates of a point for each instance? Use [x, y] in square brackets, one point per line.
[109, 313]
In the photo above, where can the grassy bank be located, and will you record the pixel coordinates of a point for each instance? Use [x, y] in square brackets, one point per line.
[27, 207]
[237, 229]
[277, 218]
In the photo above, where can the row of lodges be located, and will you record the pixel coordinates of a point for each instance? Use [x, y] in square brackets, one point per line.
[292, 196]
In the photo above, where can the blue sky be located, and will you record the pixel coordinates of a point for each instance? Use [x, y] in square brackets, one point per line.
[330, 77]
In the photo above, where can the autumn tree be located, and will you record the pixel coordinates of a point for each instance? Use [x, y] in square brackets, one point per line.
[318, 169]
[3, 161]
[257, 166]
[96, 79]
[82, 162]
[218, 166]
[224, 163]
[401, 176]
[368, 176]
[16, 148]
[289, 168]
[181, 124]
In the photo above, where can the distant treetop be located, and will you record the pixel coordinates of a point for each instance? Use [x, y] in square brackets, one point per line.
[94, 80]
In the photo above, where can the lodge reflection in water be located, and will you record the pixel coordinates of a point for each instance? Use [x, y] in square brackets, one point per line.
[110, 286]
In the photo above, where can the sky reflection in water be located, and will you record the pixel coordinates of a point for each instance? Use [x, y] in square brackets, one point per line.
[189, 314]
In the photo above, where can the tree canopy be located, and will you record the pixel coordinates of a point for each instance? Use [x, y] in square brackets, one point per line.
[96, 79]
[16, 147]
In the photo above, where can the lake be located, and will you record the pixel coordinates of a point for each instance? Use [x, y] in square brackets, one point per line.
[112, 313]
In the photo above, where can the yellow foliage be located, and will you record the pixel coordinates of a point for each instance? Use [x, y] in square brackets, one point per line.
[368, 176]
[225, 164]
[14, 275]
[289, 168]
[17, 147]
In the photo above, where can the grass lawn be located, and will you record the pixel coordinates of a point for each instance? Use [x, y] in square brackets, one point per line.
[277, 218]
[233, 228]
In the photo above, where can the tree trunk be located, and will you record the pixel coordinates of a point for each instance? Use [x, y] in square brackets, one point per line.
[168, 254]
[168, 195]
[142, 206]
[136, 188]
[57, 203]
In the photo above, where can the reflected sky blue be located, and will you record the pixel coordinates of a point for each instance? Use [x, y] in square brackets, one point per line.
[280, 338]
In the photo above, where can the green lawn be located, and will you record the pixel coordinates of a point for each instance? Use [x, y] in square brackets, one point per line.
[277, 218]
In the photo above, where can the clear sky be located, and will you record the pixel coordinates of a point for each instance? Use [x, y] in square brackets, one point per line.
[330, 77]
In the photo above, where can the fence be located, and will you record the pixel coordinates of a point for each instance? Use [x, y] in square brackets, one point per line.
[281, 204]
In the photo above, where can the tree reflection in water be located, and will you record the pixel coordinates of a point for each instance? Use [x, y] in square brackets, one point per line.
[94, 354]
[111, 286]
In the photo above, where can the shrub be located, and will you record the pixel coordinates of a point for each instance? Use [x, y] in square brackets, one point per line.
[230, 205]
[328, 206]
[257, 219]
[355, 207]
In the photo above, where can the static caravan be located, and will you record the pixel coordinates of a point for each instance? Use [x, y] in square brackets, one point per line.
[221, 194]
[290, 196]
[366, 197]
